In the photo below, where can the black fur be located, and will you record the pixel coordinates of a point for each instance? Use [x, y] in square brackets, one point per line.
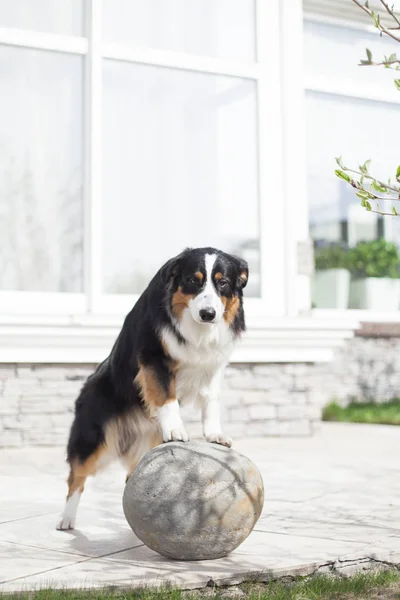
[110, 392]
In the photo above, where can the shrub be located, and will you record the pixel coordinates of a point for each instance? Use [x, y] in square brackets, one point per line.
[332, 257]
[377, 258]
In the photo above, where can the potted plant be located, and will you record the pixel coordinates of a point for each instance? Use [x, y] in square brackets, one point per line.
[375, 271]
[331, 281]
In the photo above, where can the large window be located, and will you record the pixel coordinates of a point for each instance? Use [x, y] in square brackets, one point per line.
[50, 16]
[175, 173]
[354, 112]
[41, 221]
[131, 129]
[215, 28]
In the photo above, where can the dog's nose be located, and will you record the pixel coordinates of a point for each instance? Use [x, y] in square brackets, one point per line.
[207, 314]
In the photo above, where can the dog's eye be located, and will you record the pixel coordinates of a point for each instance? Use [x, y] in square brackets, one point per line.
[223, 284]
[193, 280]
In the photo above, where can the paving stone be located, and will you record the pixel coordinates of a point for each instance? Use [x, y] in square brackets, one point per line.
[18, 560]
[332, 502]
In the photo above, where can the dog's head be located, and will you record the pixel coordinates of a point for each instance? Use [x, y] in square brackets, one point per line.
[206, 283]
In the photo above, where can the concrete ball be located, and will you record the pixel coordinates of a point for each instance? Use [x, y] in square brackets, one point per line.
[193, 501]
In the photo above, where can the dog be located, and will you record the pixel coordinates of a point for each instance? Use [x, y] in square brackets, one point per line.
[173, 348]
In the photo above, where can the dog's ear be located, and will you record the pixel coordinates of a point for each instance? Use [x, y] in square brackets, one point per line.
[243, 272]
[171, 268]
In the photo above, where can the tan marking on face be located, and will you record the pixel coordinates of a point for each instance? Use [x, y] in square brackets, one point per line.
[232, 306]
[218, 276]
[153, 393]
[180, 302]
[199, 275]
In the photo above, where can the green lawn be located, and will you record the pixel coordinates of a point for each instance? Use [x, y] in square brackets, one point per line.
[386, 413]
[383, 585]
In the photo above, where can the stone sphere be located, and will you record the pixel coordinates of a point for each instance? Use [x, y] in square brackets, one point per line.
[194, 500]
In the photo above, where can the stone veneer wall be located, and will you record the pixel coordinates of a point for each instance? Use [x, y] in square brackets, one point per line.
[36, 401]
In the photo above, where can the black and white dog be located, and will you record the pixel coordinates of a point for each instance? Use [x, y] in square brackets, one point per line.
[173, 348]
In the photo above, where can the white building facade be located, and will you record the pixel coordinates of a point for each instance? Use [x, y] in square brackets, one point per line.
[130, 129]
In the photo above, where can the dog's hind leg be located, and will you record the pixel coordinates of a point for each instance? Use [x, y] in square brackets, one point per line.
[76, 483]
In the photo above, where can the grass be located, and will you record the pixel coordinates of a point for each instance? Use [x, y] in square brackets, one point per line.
[382, 584]
[385, 413]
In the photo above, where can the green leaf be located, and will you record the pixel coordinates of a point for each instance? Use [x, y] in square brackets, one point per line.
[363, 202]
[376, 19]
[363, 195]
[368, 206]
[364, 168]
[369, 55]
[394, 211]
[398, 173]
[339, 162]
[397, 84]
[378, 188]
[342, 175]
[389, 61]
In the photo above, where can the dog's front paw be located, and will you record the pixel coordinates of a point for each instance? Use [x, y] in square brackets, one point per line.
[65, 523]
[178, 434]
[219, 438]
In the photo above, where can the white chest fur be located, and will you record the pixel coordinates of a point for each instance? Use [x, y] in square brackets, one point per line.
[201, 359]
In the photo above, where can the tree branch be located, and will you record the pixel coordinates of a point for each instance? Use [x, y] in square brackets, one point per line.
[379, 212]
[384, 63]
[392, 188]
[364, 8]
[374, 196]
[391, 12]
[378, 24]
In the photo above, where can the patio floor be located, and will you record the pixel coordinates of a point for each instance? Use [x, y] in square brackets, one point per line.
[332, 501]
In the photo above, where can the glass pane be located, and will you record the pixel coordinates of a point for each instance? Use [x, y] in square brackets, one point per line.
[362, 129]
[332, 51]
[180, 169]
[40, 171]
[217, 28]
[51, 16]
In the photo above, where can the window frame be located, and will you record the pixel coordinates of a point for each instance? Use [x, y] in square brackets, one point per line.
[347, 88]
[267, 76]
[281, 143]
[80, 328]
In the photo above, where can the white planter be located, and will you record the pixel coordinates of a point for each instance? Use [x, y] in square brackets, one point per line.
[330, 288]
[375, 293]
